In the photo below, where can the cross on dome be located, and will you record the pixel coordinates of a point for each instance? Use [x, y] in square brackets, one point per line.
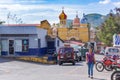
[62, 8]
[76, 13]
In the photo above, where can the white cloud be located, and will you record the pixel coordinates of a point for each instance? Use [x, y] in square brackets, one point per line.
[117, 4]
[105, 1]
[15, 7]
[32, 1]
[6, 1]
[36, 13]
[21, 1]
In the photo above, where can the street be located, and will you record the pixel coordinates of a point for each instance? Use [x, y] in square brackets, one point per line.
[20, 70]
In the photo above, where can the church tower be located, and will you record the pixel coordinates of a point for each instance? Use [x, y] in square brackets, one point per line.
[76, 21]
[63, 18]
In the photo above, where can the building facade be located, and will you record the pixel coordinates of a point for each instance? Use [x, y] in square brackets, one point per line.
[22, 40]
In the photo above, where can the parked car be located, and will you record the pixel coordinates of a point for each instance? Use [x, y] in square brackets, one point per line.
[83, 51]
[80, 52]
[66, 55]
[111, 51]
[77, 51]
[77, 54]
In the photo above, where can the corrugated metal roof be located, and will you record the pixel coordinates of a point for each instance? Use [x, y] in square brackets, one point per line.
[12, 25]
[18, 30]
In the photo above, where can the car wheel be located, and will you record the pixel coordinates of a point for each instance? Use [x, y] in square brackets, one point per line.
[73, 63]
[60, 63]
[80, 59]
[77, 59]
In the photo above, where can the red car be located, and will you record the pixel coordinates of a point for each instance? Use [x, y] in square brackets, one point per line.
[66, 55]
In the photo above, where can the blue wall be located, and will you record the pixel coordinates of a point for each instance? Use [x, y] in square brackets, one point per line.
[4, 53]
[31, 52]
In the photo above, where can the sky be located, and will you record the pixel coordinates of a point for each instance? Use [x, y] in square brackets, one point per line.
[34, 11]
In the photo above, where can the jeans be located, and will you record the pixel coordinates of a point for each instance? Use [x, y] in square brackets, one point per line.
[90, 68]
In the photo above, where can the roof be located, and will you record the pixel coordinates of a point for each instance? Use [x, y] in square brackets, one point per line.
[18, 29]
[12, 25]
[77, 43]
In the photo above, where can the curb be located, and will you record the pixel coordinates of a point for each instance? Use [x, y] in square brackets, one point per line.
[43, 60]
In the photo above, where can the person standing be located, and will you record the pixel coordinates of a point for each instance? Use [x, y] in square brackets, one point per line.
[90, 60]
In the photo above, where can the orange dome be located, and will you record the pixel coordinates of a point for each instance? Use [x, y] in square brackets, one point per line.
[62, 15]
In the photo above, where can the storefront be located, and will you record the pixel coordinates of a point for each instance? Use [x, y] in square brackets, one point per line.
[22, 40]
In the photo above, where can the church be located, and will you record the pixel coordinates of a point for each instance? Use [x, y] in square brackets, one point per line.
[77, 31]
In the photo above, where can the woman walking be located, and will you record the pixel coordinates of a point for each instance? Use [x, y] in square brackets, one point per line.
[90, 60]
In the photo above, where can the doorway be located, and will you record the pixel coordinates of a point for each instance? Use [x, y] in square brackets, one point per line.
[11, 47]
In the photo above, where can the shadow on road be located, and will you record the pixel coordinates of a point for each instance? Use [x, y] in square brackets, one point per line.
[66, 64]
[2, 60]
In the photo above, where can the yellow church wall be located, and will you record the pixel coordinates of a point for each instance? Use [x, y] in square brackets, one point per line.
[83, 25]
[73, 33]
[84, 34]
[84, 37]
[62, 33]
[76, 33]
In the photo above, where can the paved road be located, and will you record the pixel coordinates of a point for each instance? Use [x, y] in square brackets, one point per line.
[18, 70]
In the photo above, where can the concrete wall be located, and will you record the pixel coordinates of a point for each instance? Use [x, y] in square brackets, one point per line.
[41, 35]
[60, 44]
[33, 42]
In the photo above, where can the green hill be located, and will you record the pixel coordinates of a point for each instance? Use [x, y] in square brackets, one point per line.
[94, 19]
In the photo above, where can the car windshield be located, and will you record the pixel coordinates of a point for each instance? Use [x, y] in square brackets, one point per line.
[66, 50]
[113, 50]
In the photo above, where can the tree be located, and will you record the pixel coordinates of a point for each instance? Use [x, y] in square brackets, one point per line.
[110, 27]
[1, 22]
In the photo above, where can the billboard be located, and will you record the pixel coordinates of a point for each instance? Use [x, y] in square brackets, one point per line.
[116, 40]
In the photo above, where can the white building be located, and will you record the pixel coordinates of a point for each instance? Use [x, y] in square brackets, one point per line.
[58, 43]
[22, 40]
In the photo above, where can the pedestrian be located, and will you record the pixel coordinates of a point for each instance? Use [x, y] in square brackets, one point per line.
[90, 60]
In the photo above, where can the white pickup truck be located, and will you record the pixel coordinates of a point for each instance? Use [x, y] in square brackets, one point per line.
[111, 51]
